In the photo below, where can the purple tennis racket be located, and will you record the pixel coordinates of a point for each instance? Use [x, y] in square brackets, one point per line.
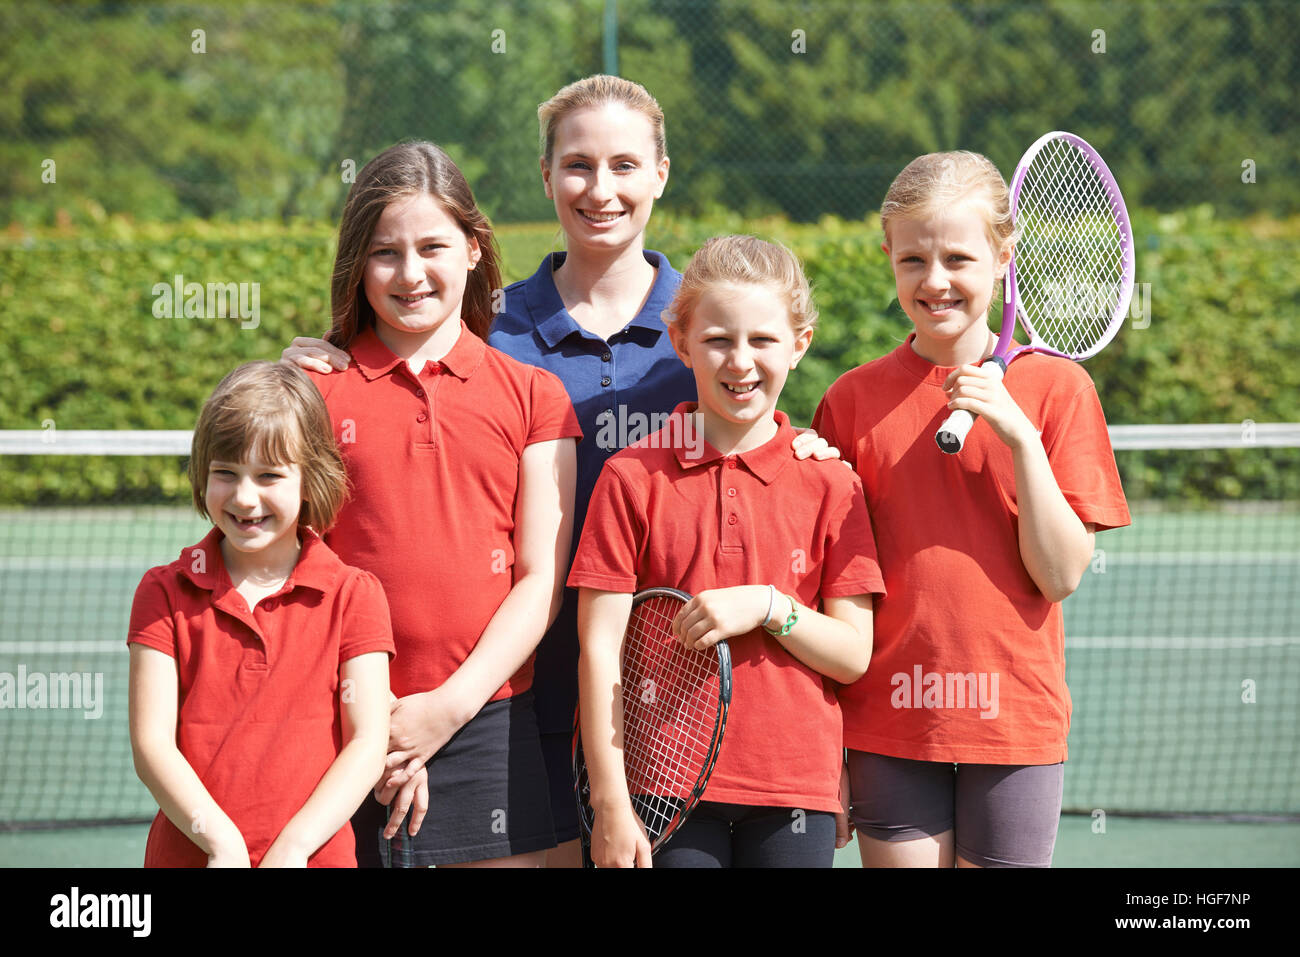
[1071, 277]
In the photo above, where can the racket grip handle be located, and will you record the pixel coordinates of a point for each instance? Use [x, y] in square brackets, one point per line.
[952, 434]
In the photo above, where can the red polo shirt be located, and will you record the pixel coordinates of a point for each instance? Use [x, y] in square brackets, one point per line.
[258, 711]
[969, 659]
[664, 513]
[434, 464]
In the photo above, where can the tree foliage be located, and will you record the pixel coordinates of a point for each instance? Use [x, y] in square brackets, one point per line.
[773, 106]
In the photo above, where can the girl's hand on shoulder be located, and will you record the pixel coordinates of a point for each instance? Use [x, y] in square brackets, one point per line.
[977, 389]
[721, 613]
[315, 355]
[808, 444]
[618, 839]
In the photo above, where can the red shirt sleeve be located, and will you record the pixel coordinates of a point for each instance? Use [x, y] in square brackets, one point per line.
[367, 627]
[151, 614]
[1078, 448]
[851, 566]
[823, 423]
[840, 435]
[612, 538]
[553, 416]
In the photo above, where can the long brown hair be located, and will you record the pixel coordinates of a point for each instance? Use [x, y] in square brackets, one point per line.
[400, 171]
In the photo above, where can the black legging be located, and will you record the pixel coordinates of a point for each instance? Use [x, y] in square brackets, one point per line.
[739, 835]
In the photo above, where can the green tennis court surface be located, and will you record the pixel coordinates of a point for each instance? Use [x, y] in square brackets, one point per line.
[1183, 657]
[1126, 842]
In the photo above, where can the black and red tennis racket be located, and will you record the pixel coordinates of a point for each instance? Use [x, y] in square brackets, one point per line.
[1070, 279]
[675, 705]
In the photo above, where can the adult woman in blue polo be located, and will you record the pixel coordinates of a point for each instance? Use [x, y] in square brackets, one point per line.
[592, 316]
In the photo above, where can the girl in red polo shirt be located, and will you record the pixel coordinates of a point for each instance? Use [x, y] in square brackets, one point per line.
[462, 465]
[957, 733]
[590, 315]
[259, 661]
[716, 504]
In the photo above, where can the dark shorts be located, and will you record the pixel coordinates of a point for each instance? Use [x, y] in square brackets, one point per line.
[555, 690]
[740, 835]
[487, 797]
[1002, 815]
[557, 750]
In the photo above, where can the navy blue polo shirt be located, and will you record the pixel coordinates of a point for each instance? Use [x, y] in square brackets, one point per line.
[622, 389]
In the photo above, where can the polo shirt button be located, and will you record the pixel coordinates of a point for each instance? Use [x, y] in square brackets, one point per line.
[605, 357]
[731, 463]
[731, 492]
[605, 380]
[419, 393]
[731, 520]
[421, 417]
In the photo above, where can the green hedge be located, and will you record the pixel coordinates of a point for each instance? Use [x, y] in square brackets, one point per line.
[81, 345]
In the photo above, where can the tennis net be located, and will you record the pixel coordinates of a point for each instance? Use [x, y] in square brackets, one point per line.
[1182, 648]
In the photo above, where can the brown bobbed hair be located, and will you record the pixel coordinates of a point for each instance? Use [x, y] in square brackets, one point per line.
[743, 261]
[407, 169]
[271, 412]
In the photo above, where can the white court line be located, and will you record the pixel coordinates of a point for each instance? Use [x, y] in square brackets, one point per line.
[1114, 558]
[1118, 557]
[1131, 642]
[1190, 642]
[106, 563]
[63, 647]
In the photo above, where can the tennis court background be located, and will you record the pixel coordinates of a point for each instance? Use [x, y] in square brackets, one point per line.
[791, 109]
[1182, 658]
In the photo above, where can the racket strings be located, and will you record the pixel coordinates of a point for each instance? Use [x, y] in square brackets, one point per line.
[670, 713]
[1070, 258]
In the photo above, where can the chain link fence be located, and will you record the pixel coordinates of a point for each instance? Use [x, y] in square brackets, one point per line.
[261, 110]
[214, 142]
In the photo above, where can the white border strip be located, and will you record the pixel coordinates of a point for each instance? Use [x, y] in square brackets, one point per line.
[1237, 435]
[1116, 556]
[1119, 642]
[63, 647]
[1234, 435]
[1175, 643]
[71, 442]
[71, 565]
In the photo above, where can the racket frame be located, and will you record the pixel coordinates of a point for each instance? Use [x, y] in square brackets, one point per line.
[581, 781]
[951, 436]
